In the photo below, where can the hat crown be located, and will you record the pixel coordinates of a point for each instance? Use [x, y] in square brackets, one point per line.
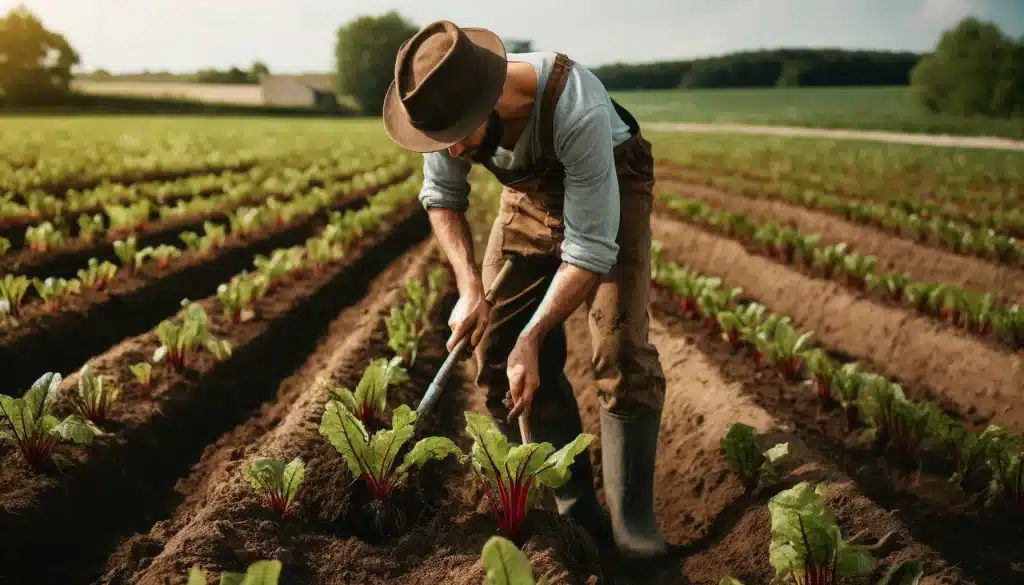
[437, 74]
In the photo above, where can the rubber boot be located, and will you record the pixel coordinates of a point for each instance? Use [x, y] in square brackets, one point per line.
[628, 448]
[558, 423]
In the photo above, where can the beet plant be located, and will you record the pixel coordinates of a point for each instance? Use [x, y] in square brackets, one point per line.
[29, 424]
[754, 467]
[178, 342]
[511, 475]
[143, 372]
[96, 395]
[374, 458]
[821, 369]
[277, 482]
[895, 421]
[1005, 458]
[807, 547]
[369, 399]
[258, 573]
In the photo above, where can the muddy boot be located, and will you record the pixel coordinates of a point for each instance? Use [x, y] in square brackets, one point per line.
[628, 448]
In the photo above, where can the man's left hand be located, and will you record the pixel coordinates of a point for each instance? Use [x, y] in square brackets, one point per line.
[523, 374]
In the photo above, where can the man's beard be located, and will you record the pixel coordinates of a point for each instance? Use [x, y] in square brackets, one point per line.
[492, 139]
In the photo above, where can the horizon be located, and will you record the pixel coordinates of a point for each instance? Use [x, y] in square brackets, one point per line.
[194, 36]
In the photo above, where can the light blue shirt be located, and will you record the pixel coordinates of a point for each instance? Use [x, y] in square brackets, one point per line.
[587, 129]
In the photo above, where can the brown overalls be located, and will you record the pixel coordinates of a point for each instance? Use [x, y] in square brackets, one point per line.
[529, 225]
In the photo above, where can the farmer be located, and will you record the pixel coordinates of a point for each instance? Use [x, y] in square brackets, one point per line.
[575, 213]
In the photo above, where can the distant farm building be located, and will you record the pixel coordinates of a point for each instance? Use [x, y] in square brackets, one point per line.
[299, 90]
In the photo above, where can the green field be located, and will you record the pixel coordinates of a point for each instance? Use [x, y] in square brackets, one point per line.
[864, 108]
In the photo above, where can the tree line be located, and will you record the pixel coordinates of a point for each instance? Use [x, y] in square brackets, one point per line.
[975, 69]
[766, 68]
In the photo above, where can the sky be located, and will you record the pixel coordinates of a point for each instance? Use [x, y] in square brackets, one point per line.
[298, 35]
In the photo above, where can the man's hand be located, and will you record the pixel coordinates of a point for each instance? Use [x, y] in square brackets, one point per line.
[523, 374]
[471, 313]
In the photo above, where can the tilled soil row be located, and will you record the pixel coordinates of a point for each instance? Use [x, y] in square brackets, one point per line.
[333, 538]
[119, 484]
[989, 339]
[715, 528]
[923, 263]
[986, 544]
[963, 374]
[94, 320]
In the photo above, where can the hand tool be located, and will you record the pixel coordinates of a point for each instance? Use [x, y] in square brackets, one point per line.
[445, 371]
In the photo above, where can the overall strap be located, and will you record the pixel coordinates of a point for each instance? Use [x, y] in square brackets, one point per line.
[552, 90]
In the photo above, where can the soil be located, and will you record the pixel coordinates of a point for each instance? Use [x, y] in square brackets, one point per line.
[132, 304]
[960, 373]
[922, 262]
[332, 538]
[155, 438]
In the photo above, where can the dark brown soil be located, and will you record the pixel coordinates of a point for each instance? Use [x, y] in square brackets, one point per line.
[131, 304]
[958, 372]
[333, 539]
[922, 262]
[155, 438]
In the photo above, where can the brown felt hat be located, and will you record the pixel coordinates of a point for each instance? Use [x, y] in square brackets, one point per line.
[447, 81]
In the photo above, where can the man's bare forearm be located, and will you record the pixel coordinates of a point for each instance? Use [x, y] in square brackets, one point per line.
[452, 230]
[568, 290]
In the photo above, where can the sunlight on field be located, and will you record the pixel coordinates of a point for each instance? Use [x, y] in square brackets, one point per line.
[214, 93]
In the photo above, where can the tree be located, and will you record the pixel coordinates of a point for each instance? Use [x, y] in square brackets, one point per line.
[974, 70]
[258, 70]
[35, 63]
[365, 56]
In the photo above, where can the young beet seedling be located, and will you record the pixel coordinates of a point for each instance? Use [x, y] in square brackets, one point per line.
[374, 457]
[754, 467]
[505, 564]
[143, 372]
[511, 474]
[258, 573]
[28, 423]
[370, 397]
[278, 482]
[806, 544]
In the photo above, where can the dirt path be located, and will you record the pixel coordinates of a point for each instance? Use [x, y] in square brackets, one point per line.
[980, 382]
[940, 140]
[923, 263]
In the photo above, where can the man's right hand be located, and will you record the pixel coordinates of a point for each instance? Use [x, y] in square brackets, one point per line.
[471, 313]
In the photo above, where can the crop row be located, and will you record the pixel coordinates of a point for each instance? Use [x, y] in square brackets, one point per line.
[956, 237]
[893, 421]
[984, 179]
[980, 313]
[60, 154]
[124, 209]
[188, 365]
[243, 223]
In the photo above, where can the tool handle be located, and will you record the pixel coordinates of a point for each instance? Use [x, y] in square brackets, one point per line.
[433, 393]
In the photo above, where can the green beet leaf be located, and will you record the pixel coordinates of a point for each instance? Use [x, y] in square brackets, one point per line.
[27, 422]
[374, 457]
[371, 394]
[745, 458]
[278, 482]
[258, 573]
[806, 543]
[511, 474]
[505, 564]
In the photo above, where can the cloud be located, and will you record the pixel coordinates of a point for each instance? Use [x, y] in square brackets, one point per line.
[942, 12]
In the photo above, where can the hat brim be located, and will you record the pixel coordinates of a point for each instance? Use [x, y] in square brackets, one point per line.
[403, 133]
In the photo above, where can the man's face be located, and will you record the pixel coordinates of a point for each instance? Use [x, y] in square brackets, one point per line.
[468, 147]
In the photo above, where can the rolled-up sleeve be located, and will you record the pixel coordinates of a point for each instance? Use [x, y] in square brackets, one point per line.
[591, 209]
[445, 182]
